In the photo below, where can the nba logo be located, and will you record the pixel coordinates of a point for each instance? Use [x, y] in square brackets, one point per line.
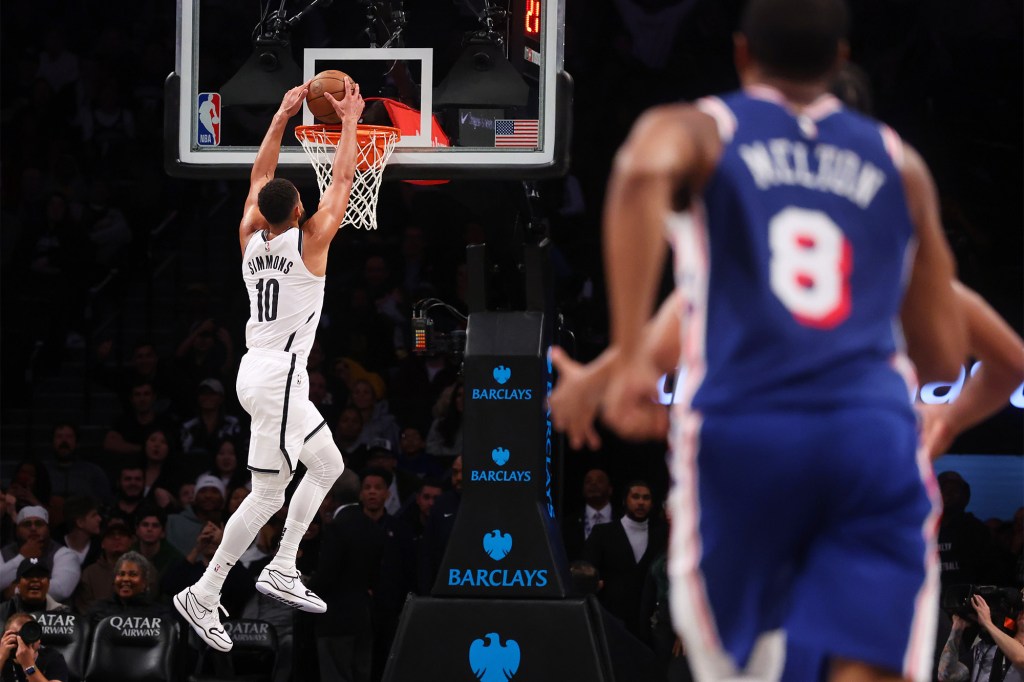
[208, 119]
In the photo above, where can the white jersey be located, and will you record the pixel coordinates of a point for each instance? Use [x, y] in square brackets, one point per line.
[285, 298]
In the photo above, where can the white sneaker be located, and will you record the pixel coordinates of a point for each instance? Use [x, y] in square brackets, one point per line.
[290, 590]
[204, 620]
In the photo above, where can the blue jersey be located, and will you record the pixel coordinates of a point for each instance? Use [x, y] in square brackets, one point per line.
[792, 262]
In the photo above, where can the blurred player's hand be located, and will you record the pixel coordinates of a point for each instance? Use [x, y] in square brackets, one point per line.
[937, 433]
[575, 400]
[631, 406]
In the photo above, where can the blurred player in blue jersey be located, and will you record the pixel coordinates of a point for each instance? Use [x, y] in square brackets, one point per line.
[804, 235]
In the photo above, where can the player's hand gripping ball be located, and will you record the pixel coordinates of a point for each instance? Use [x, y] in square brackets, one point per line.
[331, 81]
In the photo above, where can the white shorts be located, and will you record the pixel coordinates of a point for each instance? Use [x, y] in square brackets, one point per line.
[273, 387]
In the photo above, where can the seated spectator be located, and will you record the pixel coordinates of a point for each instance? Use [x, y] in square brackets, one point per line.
[129, 497]
[416, 511]
[417, 385]
[208, 507]
[70, 475]
[402, 485]
[225, 465]
[321, 396]
[98, 579]
[186, 494]
[346, 433]
[32, 593]
[413, 457]
[445, 436]
[161, 473]
[81, 529]
[145, 366]
[236, 496]
[30, 484]
[378, 422]
[17, 658]
[151, 540]
[132, 592]
[33, 541]
[124, 440]
[209, 426]
[206, 351]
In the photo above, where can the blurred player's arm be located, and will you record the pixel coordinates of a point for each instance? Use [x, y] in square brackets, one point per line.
[670, 149]
[577, 396]
[1012, 648]
[935, 331]
[265, 165]
[1001, 352]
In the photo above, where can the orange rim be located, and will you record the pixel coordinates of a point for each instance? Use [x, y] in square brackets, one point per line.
[332, 133]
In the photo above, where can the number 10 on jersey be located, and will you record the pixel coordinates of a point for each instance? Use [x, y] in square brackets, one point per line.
[267, 292]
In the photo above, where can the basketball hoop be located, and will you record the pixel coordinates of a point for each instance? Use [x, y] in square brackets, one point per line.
[374, 146]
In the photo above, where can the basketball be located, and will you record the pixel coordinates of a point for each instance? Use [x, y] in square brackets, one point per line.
[331, 81]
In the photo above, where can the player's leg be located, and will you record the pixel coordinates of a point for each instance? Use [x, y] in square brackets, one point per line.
[740, 522]
[324, 463]
[869, 593]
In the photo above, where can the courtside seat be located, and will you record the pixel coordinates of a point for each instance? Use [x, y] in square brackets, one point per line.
[67, 633]
[128, 648]
[253, 658]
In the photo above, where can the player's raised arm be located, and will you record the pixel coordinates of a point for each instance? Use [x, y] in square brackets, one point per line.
[265, 165]
[1001, 352]
[935, 331]
[323, 224]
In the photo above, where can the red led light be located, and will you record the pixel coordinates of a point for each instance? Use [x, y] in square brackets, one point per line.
[531, 20]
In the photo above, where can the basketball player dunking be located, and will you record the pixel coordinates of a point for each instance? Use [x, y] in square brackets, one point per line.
[801, 506]
[284, 259]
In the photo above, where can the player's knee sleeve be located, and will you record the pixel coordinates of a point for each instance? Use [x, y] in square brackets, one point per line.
[266, 498]
[323, 459]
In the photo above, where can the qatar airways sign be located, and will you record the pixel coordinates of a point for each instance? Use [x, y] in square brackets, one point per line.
[936, 393]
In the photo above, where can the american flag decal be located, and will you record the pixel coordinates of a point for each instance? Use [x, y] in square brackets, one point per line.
[516, 132]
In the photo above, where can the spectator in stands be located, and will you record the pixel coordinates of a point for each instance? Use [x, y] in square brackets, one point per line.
[417, 385]
[439, 529]
[70, 475]
[206, 352]
[445, 436]
[235, 497]
[124, 440]
[202, 434]
[132, 592]
[161, 474]
[321, 396]
[403, 484]
[17, 657]
[130, 486]
[32, 594]
[413, 457]
[967, 550]
[416, 511]
[151, 540]
[346, 433]
[30, 484]
[207, 507]
[225, 465]
[82, 525]
[33, 541]
[597, 509]
[145, 366]
[186, 494]
[98, 579]
[378, 422]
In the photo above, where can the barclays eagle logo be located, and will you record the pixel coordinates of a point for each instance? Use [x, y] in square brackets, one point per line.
[502, 374]
[500, 456]
[492, 662]
[497, 545]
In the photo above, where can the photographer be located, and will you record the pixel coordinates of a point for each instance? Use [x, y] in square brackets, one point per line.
[22, 656]
[994, 656]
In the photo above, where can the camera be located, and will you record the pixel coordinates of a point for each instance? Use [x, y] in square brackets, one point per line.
[31, 632]
[428, 339]
[1004, 602]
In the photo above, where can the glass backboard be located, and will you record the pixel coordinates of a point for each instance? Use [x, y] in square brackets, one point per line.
[477, 86]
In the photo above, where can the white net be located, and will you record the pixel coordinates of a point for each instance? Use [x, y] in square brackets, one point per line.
[374, 147]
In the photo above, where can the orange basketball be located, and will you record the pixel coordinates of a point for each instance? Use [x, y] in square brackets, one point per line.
[331, 81]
